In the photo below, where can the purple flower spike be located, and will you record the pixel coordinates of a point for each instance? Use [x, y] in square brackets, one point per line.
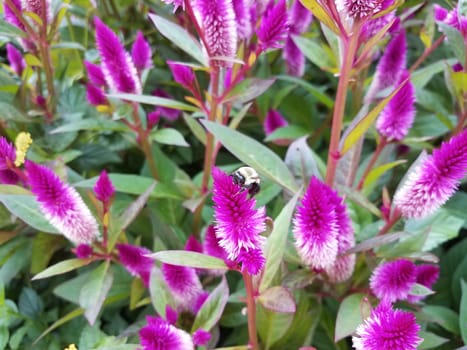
[252, 261]
[243, 19]
[104, 189]
[171, 114]
[83, 251]
[141, 52]
[217, 20]
[427, 275]
[362, 8]
[36, 7]
[16, 59]
[389, 330]
[238, 223]
[193, 245]
[10, 16]
[373, 26]
[211, 244]
[315, 227]
[201, 337]
[274, 26]
[161, 335]
[182, 74]
[171, 315]
[135, 260]
[153, 118]
[95, 95]
[95, 74]
[118, 67]
[294, 58]
[393, 280]
[397, 117]
[299, 18]
[61, 204]
[183, 283]
[198, 304]
[274, 120]
[435, 180]
[440, 13]
[7, 154]
[390, 67]
[8, 177]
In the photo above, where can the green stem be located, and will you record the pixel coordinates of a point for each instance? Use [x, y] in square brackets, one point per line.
[350, 49]
[251, 311]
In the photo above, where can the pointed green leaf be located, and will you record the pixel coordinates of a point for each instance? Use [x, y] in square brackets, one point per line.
[160, 294]
[377, 172]
[62, 267]
[463, 312]
[189, 259]
[254, 154]
[443, 316]
[248, 89]
[315, 91]
[7, 29]
[155, 101]
[321, 14]
[277, 299]
[352, 311]
[169, 136]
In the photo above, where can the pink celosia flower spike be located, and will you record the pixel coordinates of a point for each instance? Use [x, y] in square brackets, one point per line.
[435, 180]
[183, 283]
[388, 329]
[95, 95]
[274, 120]
[274, 26]
[37, 7]
[397, 117]
[390, 67]
[7, 154]
[201, 337]
[158, 334]
[118, 67]
[141, 52]
[393, 280]
[135, 260]
[16, 59]
[243, 19]
[182, 74]
[95, 74]
[315, 227]
[61, 204]
[217, 21]
[10, 16]
[362, 8]
[237, 223]
[104, 189]
[427, 275]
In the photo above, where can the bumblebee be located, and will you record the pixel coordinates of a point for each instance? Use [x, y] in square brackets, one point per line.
[248, 179]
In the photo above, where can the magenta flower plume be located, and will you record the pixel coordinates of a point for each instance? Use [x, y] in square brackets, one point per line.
[183, 283]
[10, 16]
[252, 260]
[153, 118]
[362, 8]
[37, 7]
[7, 154]
[393, 280]
[199, 302]
[171, 315]
[299, 18]
[95, 74]
[8, 177]
[274, 120]
[389, 330]
[427, 275]
[201, 337]
[237, 223]
[141, 53]
[315, 226]
[390, 67]
[16, 59]
[217, 21]
[243, 19]
[211, 244]
[294, 58]
[451, 18]
[193, 245]
[435, 180]
[397, 117]
[274, 26]
[136, 261]
[119, 70]
[158, 334]
[95, 95]
[182, 74]
[104, 189]
[83, 251]
[61, 204]
[373, 26]
[171, 114]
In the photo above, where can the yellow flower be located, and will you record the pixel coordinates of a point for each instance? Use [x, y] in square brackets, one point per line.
[71, 347]
[22, 143]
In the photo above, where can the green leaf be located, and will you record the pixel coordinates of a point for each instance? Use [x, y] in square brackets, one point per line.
[4, 336]
[277, 299]
[352, 311]
[189, 259]
[7, 29]
[248, 89]
[13, 189]
[423, 75]
[30, 304]
[211, 311]
[94, 291]
[68, 45]
[90, 124]
[430, 340]
[443, 316]
[160, 294]
[62, 320]
[44, 247]
[180, 37]
[321, 14]
[377, 172]
[273, 326]
[254, 154]
[311, 89]
[420, 290]
[10, 113]
[360, 199]
[155, 101]
[169, 136]
[375, 242]
[135, 184]
[462, 8]
[275, 246]
[289, 132]
[463, 312]
[195, 128]
[316, 53]
[27, 209]
[360, 125]
[455, 40]
[62, 267]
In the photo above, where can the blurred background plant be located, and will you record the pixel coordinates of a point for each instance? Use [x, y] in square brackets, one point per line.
[133, 107]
